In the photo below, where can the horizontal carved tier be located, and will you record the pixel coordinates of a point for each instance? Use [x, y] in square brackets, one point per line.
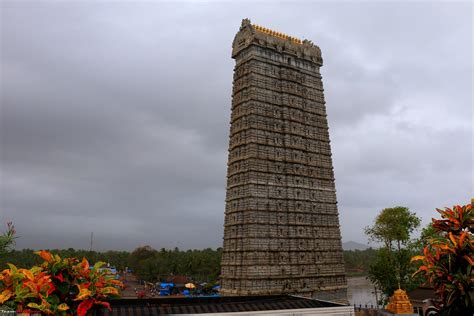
[262, 67]
[282, 140]
[317, 258]
[266, 95]
[317, 223]
[281, 244]
[280, 100]
[290, 207]
[279, 167]
[253, 229]
[286, 113]
[253, 80]
[292, 155]
[274, 179]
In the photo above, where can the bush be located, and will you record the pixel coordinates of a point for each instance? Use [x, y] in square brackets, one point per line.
[448, 260]
[59, 286]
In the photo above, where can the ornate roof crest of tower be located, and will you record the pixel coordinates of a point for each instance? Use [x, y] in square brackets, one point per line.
[258, 35]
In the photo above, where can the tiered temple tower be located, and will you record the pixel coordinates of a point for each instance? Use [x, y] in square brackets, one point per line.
[281, 232]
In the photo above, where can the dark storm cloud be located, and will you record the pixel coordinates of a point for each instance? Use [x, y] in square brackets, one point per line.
[114, 116]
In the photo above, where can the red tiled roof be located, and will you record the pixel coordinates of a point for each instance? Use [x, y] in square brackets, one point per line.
[178, 279]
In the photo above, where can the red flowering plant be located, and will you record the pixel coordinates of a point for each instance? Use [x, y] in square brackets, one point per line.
[448, 259]
[59, 286]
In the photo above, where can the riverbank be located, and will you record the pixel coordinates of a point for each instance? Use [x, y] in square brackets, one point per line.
[360, 291]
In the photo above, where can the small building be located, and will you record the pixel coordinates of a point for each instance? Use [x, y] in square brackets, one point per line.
[422, 299]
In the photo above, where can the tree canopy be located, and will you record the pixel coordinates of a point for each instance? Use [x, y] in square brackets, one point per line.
[147, 263]
[393, 225]
[391, 268]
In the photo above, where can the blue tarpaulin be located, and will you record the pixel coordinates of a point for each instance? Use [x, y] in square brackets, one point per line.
[165, 288]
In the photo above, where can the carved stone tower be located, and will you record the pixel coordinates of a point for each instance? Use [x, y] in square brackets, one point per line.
[281, 232]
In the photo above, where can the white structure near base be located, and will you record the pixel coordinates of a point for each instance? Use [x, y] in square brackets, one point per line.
[326, 311]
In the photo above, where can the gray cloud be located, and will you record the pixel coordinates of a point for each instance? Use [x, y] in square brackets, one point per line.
[115, 116]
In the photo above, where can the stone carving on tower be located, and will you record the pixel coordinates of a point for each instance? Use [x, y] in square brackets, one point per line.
[281, 231]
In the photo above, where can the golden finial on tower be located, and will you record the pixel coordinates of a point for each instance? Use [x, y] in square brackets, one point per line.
[276, 34]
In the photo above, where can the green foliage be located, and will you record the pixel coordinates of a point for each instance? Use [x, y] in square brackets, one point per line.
[448, 260]
[426, 235]
[391, 268]
[393, 225]
[147, 263]
[7, 239]
[139, 257]
[152, 265]
[358, 261]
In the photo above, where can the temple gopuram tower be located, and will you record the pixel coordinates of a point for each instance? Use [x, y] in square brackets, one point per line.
[281, 231]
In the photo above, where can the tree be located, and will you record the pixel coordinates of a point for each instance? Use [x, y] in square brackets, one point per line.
[141, 260]
[426, 235]
[448, 260]
[391, 268]
[393, 225]
[7, 239]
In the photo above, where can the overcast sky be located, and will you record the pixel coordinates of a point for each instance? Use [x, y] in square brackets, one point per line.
[115, 115]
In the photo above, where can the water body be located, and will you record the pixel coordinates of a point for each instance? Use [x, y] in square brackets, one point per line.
[360, 291]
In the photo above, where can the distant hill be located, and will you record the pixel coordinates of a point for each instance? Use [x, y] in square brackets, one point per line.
[352, 245]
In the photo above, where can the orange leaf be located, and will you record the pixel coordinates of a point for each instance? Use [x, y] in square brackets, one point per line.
[422, 268]
[452, 238]
[469, 259]
[85, 264]
[83, 293]
[5, 295]
[46, 255]
[29, 275]
[109, 290]
[32, 286]
[416, 258]
[85, 285]
[63, 307]
[461, 239]
[117, 282]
